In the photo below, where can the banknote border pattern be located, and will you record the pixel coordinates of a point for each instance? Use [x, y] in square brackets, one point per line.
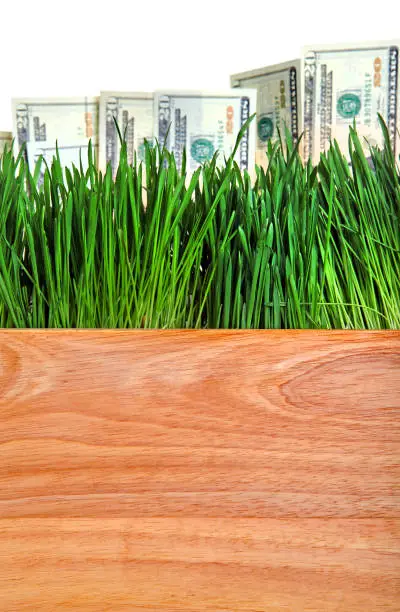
[393, 77]
[294, 108]
[244, 143]
[309, 97]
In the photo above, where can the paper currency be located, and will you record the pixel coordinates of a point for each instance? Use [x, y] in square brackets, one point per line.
[133, 113]
[348, 83]
[5, 139]
[69, 155]
[71, 122]
[204, 123]
[278, 102]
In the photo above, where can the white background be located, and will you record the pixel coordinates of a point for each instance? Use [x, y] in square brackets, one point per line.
[52, 48]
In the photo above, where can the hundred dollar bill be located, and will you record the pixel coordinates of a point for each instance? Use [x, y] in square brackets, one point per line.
[71, 122]
[5, 139]
[204, 123]
[347, 83]
[133, 113]
[278, 102]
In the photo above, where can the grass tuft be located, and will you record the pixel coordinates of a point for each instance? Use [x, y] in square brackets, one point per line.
[298, 247]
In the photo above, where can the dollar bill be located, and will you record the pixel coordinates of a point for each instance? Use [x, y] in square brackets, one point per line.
[73, 154]
[5, 140]
[348, 83]
[278, 102]
[133, 113]
[204, 123]
[69, 122]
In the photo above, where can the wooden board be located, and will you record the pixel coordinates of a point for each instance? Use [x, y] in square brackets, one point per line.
[200, 471]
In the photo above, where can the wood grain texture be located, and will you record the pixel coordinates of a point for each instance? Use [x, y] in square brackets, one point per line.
[184, 471]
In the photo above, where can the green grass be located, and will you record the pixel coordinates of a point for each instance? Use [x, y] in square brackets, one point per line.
[299, 247]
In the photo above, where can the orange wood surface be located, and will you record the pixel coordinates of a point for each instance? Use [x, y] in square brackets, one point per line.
[197, 471]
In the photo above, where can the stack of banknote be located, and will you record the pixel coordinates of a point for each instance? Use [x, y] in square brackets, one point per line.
[329, 89]
[316, 98]
[203, 123]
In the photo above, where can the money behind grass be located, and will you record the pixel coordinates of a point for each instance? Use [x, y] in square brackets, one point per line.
[278, 102]
[206, 123]
[343, 84]
[41, 123]
[133, 114]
